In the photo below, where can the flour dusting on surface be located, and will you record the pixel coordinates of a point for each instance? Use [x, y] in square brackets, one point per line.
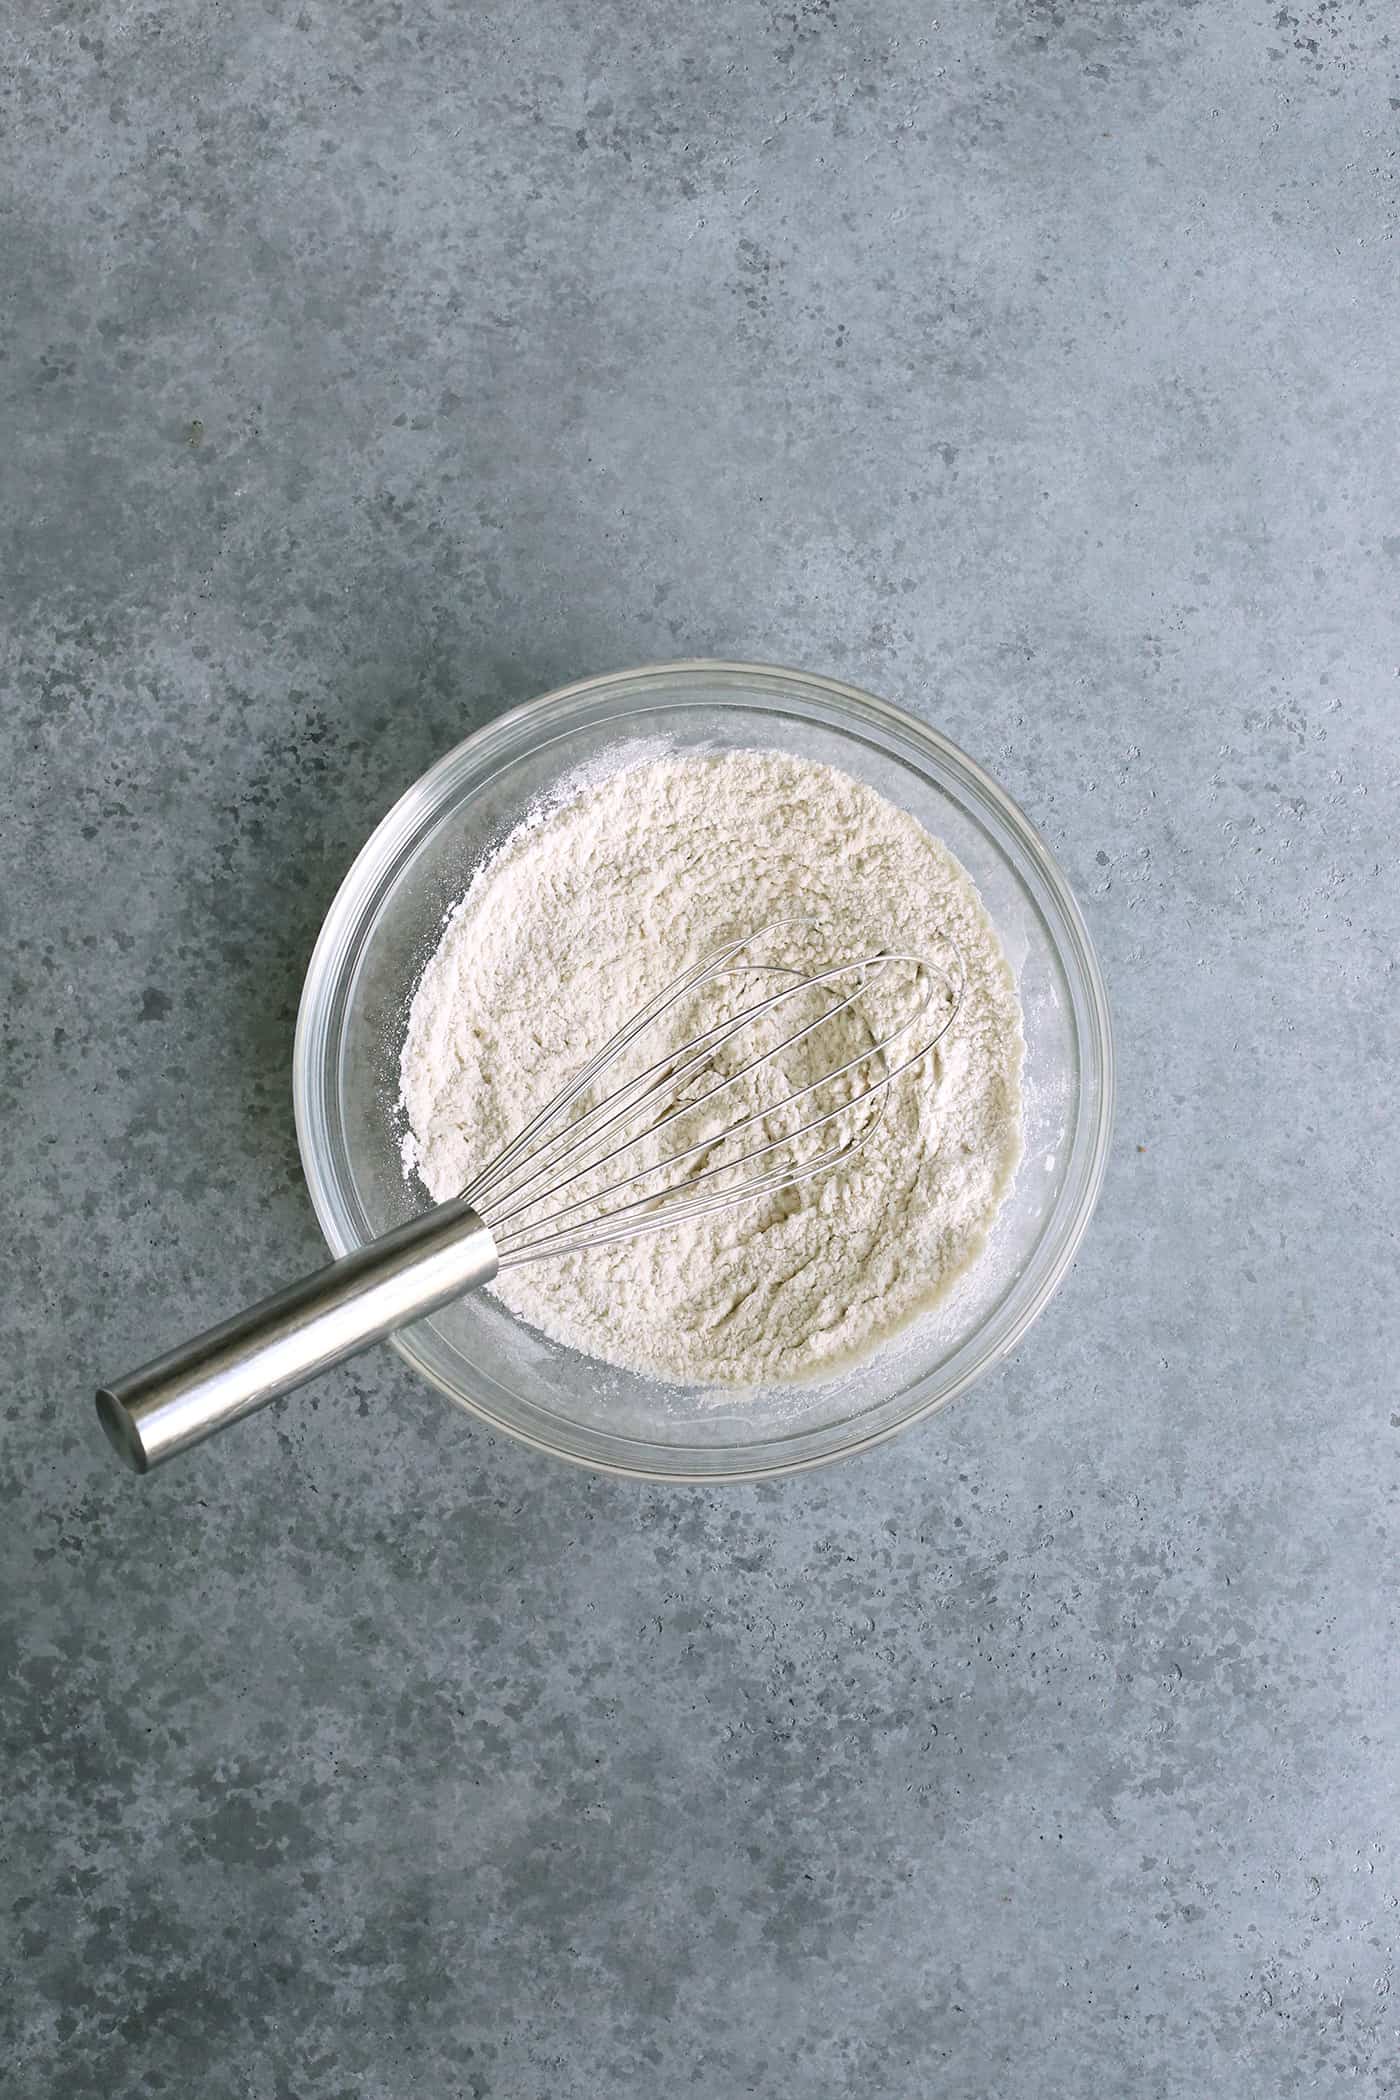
[580, 918]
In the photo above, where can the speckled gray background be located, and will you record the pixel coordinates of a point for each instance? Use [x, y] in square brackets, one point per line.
[368, 367]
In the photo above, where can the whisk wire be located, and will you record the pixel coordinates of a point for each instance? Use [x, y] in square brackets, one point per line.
[672, 1074]
[518, 1251]
[708, 1143]
[562, 1154]
[710, 967]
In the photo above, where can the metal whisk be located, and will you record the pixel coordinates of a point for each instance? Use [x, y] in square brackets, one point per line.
[593, 1167]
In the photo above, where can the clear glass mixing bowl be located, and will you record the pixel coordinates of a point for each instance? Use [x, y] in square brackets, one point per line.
[385, 923]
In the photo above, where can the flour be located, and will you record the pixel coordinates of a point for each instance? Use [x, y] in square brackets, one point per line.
[581, 918]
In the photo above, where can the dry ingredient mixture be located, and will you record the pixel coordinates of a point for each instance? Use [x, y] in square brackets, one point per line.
[587, 910]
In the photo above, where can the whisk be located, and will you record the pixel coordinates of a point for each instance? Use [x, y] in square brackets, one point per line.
[616, 1153]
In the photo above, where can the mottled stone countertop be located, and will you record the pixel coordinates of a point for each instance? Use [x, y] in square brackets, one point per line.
[370, 367]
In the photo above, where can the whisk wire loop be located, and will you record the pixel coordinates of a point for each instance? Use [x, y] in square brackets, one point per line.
[678, 1066]
[564, 1155]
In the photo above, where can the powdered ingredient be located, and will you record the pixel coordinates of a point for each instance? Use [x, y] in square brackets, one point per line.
[581, 917]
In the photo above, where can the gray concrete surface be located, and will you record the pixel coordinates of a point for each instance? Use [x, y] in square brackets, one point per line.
[368, 367]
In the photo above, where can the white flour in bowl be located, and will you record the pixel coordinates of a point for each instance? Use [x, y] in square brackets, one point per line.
[581, 918]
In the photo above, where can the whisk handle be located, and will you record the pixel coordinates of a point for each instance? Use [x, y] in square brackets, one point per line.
[189, 1393]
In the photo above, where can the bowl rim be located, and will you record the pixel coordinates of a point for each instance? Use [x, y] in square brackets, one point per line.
[347, 912]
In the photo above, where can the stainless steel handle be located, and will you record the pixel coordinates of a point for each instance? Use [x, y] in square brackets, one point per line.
[187, 1394]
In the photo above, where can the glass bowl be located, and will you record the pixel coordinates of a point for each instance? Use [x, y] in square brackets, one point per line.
[385, 922]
